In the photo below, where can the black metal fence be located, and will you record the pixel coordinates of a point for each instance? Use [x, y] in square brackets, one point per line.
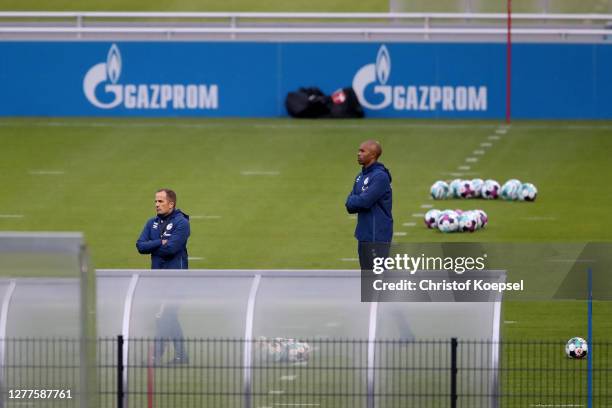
[277, 372]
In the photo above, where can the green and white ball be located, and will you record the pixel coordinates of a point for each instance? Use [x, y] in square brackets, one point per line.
[510, 190]
[454, 187]
[439, 190]
[528, 192]
[576, 347]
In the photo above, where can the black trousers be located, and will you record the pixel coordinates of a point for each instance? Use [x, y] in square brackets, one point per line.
[369, 250]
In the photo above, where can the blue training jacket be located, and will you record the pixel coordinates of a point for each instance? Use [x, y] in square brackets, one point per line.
[173, 227]
[371, 198]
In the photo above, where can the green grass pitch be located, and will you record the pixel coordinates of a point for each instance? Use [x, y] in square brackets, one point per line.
[270, 193]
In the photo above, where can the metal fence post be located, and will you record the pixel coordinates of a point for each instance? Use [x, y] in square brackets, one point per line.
[120, 371]
[453, 390]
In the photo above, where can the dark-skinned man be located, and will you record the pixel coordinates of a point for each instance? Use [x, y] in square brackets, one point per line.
[371, 199]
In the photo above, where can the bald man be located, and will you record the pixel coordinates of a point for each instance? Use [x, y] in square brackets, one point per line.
[371, 199]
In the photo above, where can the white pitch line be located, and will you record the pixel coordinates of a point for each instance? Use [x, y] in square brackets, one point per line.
[471, 159]
[493, 137]
[480, 152]
[195, 258]
[259, 173]
[296, 404]
[501, 131]
[352, 217]
[276, 392]
[400, 234]
[510, 321]
[426, 205]
[486, 144]
[409, 224]
[204, 217]
[11, 215]
[418, 215]
[46, 172]
[288, 377]
[349, 259]
[463, 168]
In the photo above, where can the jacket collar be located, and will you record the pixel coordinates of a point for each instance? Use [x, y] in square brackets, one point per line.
[366, 170]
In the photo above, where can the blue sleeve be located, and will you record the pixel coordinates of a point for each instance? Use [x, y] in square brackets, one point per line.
[379, 185]
[144, 244]
[177, 242]
[349, 207]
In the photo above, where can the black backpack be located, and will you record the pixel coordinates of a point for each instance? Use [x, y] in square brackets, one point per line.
[307, 103]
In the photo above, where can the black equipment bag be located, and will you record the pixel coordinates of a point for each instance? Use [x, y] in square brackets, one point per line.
[344, 104]
[307, 103]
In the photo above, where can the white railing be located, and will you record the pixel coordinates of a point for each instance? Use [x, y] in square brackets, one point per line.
[308, 16]
[357, 24]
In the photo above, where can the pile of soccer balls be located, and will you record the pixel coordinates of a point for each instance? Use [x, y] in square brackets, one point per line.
[456, 220]
[576, 347]
[282, 350]
[488, 189]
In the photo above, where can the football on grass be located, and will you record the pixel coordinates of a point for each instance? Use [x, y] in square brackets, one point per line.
[577, 347]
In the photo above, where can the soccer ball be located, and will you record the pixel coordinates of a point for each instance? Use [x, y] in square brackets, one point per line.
[528, 192]
[465, 189]
[467, 222]
[477, 186]
[510, 189]
[576, 347]
[439, 190]
[297, 351]
[490, 190]
[431, 218]
[454, 188]
[448, 221]
[481, 218]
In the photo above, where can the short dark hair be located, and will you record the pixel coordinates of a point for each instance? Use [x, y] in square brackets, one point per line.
[169, 193]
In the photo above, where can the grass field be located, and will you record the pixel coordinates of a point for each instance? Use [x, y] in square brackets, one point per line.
[520, 6]
[270, 193]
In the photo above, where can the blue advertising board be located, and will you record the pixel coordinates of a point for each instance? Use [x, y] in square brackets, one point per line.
[251, 79]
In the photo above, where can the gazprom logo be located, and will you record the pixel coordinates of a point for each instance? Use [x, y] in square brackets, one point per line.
[373, 91]
[103, 90]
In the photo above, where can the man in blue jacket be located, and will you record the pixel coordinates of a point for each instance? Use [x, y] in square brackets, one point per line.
[371, 199]
[165, 238]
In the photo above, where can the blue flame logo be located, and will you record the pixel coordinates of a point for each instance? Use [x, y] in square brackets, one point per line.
[113, 64]
[383, 65]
